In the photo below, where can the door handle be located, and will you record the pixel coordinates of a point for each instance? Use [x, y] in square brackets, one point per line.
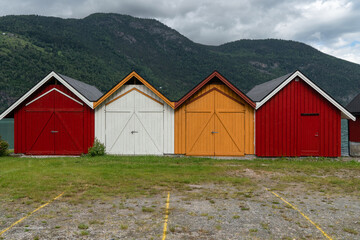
[132, 132]
[214, 132]
[54, 131]
[316, 134]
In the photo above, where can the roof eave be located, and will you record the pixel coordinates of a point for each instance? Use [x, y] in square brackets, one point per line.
[125, 80]
[73, 90]
[344, 116]
[344, 113]
[26, 95]
[37, 86]
[222, 79]
[90, 101]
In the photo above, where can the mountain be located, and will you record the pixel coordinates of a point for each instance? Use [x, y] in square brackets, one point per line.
[102, 49]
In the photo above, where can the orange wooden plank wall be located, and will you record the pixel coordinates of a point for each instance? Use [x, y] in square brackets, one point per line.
[180, 119]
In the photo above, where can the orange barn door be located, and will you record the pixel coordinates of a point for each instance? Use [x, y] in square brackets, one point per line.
[215, 125]
[229, 125]
[199, 125]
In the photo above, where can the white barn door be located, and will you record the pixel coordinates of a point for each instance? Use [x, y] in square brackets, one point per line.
[149, 125]
[119, 115]
[134, 124]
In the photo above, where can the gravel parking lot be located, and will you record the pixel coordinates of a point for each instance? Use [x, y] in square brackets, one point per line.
[123, 197]
[203, 212]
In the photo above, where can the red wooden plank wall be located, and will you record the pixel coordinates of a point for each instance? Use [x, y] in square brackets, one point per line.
[20, 138]
[279, 130]
[354, 130]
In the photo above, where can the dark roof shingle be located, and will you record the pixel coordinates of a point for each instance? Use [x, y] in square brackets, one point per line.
[259, 92]
[90, 92]
[354, 105]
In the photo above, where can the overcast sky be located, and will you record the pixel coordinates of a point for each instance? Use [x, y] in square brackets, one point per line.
[332, 26]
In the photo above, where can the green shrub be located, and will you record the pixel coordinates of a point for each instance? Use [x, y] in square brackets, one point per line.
[3, 147]
[98, 149]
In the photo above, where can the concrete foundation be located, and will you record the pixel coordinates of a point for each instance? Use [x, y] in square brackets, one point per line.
[354, 149]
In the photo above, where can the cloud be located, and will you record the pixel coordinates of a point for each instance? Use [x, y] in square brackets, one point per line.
[342, 47]
[325, 18]
[347, 53]
[329, 25]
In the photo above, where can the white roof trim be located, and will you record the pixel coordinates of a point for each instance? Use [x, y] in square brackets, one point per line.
[38, 85]
[57, 90]
[345, 114]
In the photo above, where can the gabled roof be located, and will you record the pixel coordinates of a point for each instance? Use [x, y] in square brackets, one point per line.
[125, 80]
[85, 92]
[206, 80]
[260, 91]
[90, 92]
[265, 91]
[354, 105]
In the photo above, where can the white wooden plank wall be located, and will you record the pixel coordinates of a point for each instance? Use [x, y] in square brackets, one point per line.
[168, 124]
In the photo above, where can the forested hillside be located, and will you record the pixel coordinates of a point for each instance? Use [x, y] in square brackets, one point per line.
[101, 49]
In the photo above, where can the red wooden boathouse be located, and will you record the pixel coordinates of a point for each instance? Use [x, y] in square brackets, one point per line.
[294, 117]
[354, 127]
[55, 117]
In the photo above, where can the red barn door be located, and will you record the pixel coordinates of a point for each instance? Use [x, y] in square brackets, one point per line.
[54, 124]
[310, 128]
[39, 124]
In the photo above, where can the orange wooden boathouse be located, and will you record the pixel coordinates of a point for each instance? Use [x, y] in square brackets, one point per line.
[214, 119]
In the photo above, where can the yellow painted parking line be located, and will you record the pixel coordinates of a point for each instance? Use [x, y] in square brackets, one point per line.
[306, 217]
[29, 214]
[166, 216]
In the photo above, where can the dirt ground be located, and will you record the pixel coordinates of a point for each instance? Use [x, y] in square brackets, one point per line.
[202, 212]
